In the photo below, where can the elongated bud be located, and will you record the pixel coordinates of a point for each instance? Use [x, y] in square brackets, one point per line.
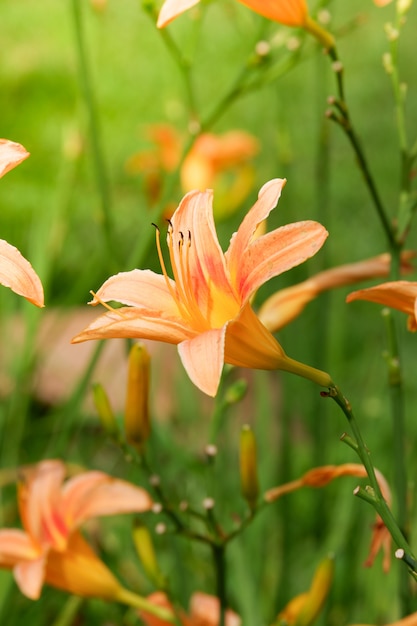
[318, 593]
[146, 553]
[104, 410]
[137, 422]
[248, 466]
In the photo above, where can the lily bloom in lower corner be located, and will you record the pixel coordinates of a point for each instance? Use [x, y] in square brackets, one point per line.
[206, 309]
[50, 548]
[400, 295]
[286, 304]
[204, 611]
[287, 12]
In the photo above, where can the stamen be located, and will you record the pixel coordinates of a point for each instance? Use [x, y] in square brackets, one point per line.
[171, 290]
[106, 305]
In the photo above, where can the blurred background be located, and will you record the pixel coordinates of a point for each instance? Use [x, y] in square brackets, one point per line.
[106, 104]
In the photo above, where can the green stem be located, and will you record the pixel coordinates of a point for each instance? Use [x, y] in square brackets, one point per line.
[219, 559]
[380, 504]
[398, 426]
[137, 602]
[69, 611]
[93, 127]
[345, 123]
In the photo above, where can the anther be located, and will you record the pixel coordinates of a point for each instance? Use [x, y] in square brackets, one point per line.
[156, 226]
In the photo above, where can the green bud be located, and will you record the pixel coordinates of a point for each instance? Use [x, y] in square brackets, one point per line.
[248, 466]
[146, 553]
[137, 421]
[104, 410]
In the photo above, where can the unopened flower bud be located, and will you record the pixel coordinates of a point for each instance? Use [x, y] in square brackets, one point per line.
[403, 6]
[137, 422]
[104, 410]
[318, 593]
[146, 553]
[248, 466]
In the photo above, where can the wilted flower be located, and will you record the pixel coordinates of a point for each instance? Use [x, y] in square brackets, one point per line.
[400, 294]
[321, 476]
[206, 309]
[50, 548]
[288, 12]
[15, 271]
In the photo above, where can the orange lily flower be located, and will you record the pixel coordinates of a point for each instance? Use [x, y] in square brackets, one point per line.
[50, 548]
[210, 157]
[286, 304]
[204, 611]
[206, 310]
[400, 294]
[288, 12]
[15, 271]
[382, 3]
[320, 476]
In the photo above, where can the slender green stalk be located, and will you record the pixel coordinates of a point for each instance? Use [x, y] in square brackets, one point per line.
[100, 169]
[379, 503]
[184, 68]
[132, 599]
[395, 385]
[345, 123]
[69, 611]
[219, 559]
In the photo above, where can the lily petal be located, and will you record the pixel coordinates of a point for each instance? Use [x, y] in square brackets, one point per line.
[11, 154]
[40, 503]
[206, 263]
[79, 571]
[139, 288]
[205, 611]
[250, 344]
[17, 273]
[286, 304]
[203, 359]
[94, 493]
[288, 12]
[277, 252]
[171, 9]
[400, 294]
[268, 197]
[16, 545]
[29, 576]
[136, 323]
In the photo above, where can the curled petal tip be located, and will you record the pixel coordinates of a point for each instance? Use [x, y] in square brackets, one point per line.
[11, 154]
[172, 9]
